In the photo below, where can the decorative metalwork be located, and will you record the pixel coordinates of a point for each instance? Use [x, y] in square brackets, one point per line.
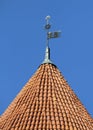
[50, 35]
[47, 26]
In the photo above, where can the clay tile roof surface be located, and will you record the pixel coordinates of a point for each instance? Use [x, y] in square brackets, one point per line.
[46, 102]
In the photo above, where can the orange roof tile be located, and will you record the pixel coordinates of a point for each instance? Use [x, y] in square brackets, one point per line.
[46, 102]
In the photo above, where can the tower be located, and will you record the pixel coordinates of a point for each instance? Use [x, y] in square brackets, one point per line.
[46, 102]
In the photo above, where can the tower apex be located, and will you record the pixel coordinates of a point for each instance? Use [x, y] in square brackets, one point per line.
[49, 35]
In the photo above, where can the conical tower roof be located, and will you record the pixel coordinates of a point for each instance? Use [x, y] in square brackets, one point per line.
[46, 102]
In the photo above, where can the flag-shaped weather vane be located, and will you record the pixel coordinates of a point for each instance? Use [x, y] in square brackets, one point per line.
[50, 35]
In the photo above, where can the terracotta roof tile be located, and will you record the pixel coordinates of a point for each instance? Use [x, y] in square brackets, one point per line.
[46, 102]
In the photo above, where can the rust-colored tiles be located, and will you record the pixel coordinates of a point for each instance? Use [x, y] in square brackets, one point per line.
[46, 102]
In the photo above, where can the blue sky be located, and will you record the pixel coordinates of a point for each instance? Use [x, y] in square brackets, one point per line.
[23, 40]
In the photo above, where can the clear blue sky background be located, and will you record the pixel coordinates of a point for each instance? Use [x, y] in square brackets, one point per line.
[23, 38]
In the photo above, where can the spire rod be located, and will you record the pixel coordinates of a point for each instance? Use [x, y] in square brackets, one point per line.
[47, 27]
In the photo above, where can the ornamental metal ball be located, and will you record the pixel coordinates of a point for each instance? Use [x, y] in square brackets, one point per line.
[47, 17]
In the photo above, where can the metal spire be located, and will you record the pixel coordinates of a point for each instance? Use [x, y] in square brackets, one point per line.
[47, 52]
[49, 36]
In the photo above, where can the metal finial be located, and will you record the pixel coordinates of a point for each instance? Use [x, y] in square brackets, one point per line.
[47, 18]
[47, 26]
[50, 35]
[47, 52]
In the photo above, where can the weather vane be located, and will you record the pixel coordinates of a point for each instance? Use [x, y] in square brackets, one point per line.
[50, 35]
